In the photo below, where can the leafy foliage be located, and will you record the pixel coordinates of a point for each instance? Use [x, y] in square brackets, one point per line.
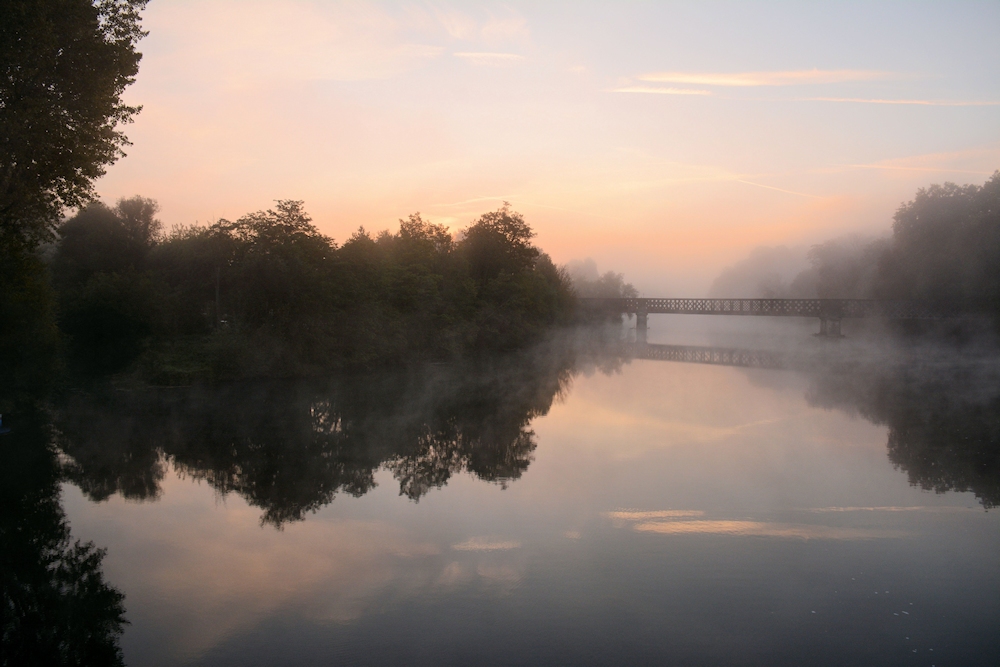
[268, 294]
[65, 65]
[946, 248]
[108, 297]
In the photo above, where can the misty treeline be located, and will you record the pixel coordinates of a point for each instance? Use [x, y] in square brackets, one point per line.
[268, 294]
[589, 283]
[944, 249]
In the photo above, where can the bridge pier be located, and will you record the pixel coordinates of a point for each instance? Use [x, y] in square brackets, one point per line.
[829, 327]
[641, 326]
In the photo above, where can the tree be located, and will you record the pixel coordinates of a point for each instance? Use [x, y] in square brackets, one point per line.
[499, 242]
[102, 239]
[945, 248]
[106, 297]
[65, 66]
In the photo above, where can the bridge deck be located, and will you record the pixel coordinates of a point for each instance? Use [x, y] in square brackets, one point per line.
[822, 308]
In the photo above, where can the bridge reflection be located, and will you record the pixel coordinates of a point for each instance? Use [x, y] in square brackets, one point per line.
[717, 356]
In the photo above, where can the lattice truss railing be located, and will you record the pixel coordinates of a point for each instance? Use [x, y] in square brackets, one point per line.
[824, 308]
[706, 355]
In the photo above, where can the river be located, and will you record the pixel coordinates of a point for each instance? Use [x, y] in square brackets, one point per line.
[581, 507]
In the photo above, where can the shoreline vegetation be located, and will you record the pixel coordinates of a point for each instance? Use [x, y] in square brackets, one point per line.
[113, 296]
[943, 250]
[268, 295]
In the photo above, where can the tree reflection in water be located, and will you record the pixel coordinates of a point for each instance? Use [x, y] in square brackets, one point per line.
[57, 608]
[942, 409]
[290, 447]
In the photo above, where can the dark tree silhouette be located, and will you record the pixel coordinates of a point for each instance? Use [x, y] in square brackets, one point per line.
[56, 608]
[945, 248]
[942, 412]
[269, 295]
[65, 66]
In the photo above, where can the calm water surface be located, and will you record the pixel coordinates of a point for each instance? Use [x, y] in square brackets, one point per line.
[573, 509]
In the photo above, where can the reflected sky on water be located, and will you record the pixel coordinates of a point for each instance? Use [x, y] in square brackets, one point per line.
[584, 509]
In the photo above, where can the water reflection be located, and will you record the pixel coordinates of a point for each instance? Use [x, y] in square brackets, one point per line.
[942, 411]
[57, 608]
[772, 512]
[290, 447]
[941, 404]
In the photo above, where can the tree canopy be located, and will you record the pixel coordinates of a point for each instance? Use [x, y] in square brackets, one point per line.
[268, 294]
[944, 251]
[65, 66]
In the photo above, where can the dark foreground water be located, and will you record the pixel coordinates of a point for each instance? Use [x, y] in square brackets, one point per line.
[822, 506]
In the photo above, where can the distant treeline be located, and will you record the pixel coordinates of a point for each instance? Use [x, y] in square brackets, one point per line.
[269, 295]
[944, 249]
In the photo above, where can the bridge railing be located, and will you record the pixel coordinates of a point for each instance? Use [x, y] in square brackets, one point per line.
[822, 308]
[705, 355]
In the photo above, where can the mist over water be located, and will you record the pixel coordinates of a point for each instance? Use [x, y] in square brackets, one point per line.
[476, 334]
[581, 501]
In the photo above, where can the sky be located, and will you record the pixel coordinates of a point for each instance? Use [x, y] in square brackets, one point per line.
[663, 139]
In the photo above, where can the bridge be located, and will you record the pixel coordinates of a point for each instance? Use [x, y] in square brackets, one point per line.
[829, 311]
[715, 356]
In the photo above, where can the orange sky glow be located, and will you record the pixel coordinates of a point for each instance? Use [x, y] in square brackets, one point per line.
[665, 140]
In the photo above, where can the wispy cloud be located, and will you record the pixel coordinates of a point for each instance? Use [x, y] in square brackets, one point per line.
[660, 91]
[771, 187]
[748, 79]
[496, 29]
[478, 199]
[932, 170]
[485, 544]
[633, 515]
[689, 522]
[926, 103]
[889, 509]
[505, 28]
[305, 42]
[489, 58]
[979, 161]
[764, 529]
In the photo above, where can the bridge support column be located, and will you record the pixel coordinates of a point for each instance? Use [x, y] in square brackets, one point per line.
[640, 326]
[829, 328]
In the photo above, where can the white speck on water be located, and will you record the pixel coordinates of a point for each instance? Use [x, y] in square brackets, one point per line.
[814, 612]
[907, 613]
[895, 614]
